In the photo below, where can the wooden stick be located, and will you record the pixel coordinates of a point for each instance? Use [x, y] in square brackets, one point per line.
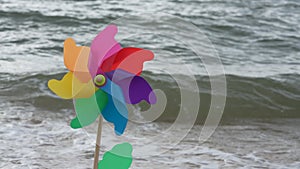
[98, 142]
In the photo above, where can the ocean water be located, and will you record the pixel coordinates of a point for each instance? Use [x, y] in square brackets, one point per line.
[257, 42]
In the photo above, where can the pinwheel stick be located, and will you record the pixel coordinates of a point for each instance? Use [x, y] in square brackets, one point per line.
[98, 142]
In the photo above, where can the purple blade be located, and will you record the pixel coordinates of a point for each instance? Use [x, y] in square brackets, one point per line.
[135, 88]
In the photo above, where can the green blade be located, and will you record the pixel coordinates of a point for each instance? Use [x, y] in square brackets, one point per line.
[88, 109]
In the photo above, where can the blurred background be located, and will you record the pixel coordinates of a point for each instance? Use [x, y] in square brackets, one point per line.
[257, 41]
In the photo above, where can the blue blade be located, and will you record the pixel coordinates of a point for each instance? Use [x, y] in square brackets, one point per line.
[115, 111]
[113, 89]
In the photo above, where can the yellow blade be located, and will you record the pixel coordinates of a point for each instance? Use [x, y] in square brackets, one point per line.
[71, 87]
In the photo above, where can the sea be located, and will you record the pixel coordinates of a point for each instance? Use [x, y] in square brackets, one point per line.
[251, 47]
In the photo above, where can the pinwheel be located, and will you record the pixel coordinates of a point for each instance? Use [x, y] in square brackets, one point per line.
[102, 79]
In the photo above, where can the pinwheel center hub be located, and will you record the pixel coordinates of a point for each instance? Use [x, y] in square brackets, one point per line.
[99, 80]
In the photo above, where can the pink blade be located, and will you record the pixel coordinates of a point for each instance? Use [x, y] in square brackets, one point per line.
[103, 46]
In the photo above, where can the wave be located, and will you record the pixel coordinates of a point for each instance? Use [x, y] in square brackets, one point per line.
[61, 20]
[247, 97]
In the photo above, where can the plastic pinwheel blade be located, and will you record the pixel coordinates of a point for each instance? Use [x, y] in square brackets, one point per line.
[75, 54]
[113, 89]
[103, 46]
[76, 59]
[88, 109]
[116, 111]
[139, 89]
[129, 59]
[134, 88]
[71, 87]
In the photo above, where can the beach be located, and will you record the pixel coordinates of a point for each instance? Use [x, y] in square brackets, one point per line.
[257, 43]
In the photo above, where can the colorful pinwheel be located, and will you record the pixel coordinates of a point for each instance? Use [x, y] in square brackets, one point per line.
[102, 79]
